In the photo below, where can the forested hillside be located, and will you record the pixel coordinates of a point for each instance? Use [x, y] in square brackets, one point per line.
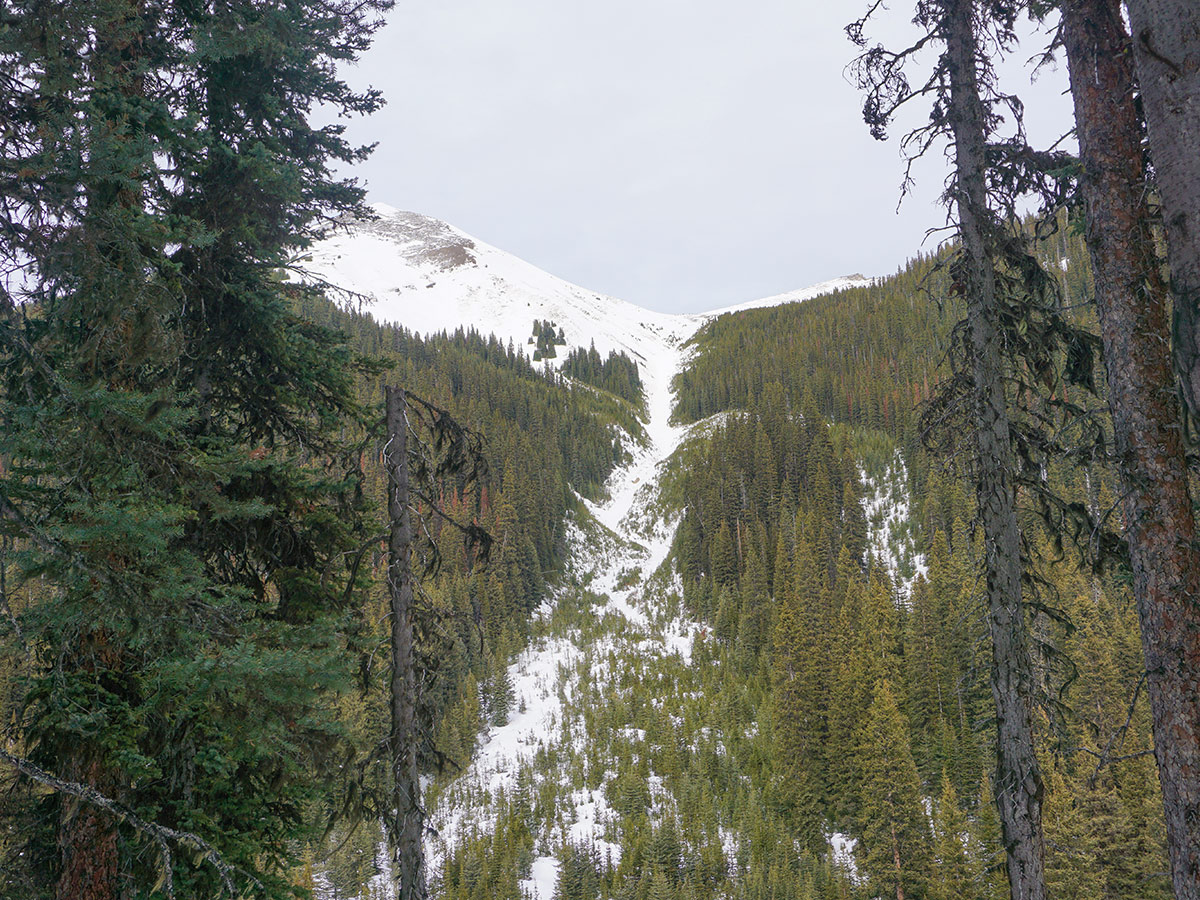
[519, 591]
[543, 440]
[880, 712]
[828, 731]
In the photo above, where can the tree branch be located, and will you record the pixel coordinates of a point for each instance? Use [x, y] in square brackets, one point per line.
[162, 836]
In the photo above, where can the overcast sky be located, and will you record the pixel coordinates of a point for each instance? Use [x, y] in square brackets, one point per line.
[680, 155]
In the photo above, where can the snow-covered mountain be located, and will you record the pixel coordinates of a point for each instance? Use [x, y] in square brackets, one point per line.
[429, 276]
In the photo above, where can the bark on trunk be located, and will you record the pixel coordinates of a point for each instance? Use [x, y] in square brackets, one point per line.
[1131, 301]
[87, 840]
[1167, 50]
[408, 822]
[87, 836]
[1018, 776]
[898, 864]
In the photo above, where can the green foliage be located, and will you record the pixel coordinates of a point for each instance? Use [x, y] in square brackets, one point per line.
[178, 488]
[618, 374]
[895, 849]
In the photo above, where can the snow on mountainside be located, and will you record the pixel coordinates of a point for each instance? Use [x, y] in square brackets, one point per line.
[431, 277]
[808, 293]
[617, 614]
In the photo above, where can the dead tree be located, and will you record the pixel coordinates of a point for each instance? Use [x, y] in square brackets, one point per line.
[407, 826]
[961, 114]
[425, 449]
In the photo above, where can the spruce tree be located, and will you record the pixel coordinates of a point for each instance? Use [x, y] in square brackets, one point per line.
[175, 473]
[896, 847]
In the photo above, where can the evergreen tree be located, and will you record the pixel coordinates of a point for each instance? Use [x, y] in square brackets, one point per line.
[954, 876]
[896, 846]
[1131, 303]
[207, 480]
[500, 696]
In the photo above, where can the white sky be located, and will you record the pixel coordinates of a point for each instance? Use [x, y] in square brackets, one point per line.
[679, 155]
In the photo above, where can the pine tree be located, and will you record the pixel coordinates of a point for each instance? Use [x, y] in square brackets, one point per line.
[203, 419]
[986, 836]
[953, 875]
[895, 851]
[500, 696]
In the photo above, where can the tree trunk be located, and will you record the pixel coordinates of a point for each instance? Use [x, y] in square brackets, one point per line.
[87, 842]
[407, 826]
[1167, 50]
[1132, 304]
[898, 864]
[1018, 777]
[87, 835]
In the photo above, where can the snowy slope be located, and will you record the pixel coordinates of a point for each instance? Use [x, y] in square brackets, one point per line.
[809, 293]
[430, 277]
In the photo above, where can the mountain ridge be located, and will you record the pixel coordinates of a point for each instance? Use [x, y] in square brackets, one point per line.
[427, 275]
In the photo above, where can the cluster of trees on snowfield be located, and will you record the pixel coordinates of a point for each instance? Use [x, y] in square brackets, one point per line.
[617, 374]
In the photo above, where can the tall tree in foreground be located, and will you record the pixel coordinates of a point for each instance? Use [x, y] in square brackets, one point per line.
[425, 449]
[407, 827]
[175, 477]
[1132, 305]
[958, 84]
[1166, 46]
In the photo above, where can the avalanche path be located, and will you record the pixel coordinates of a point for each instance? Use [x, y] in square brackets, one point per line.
[616, 551]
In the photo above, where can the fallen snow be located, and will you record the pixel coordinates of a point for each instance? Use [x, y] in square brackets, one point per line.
[542, 881]
[886, 506]
[843, 847]
[430, 277]
[543, 675]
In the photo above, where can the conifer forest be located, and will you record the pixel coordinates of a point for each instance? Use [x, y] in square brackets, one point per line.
[345, 557]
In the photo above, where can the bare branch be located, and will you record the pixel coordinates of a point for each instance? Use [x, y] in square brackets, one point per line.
[161, 835]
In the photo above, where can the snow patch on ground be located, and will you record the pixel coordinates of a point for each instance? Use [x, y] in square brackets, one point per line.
[842, 847]
[886, 504]
[536, 675]
[543, 878]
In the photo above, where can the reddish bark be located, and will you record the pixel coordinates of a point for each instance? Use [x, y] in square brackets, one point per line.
[88, 845]
[1132, 303]
[1167, 52]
